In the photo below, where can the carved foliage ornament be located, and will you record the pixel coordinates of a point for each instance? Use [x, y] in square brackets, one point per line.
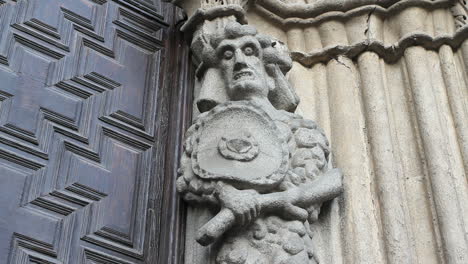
[264, 170]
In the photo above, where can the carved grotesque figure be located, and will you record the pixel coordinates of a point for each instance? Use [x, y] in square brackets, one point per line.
[264, 169]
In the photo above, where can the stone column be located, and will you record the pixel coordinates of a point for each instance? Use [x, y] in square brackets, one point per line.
[387, 82]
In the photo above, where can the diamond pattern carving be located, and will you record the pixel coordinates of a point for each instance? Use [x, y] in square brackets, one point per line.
[80, 115]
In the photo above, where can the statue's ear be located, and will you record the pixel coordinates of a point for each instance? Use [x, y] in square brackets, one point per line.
[270, 82]
[283, 96]
[212, 90]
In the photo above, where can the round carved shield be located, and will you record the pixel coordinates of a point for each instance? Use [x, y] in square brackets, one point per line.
[240, 143]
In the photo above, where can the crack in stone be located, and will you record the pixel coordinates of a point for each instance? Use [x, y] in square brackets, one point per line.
[368, 21]
[337, 59]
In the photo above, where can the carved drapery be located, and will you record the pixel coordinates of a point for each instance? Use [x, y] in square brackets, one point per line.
[387, 81]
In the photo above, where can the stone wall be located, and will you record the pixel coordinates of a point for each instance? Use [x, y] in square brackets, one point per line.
[387, 80]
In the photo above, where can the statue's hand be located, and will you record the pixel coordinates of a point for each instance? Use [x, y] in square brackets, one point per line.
[290, 211]
[244, 204]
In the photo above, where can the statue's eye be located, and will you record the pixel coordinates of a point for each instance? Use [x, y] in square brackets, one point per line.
[228, 54]
[248, 51]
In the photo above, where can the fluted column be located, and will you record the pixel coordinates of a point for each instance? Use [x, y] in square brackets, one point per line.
[387, 81]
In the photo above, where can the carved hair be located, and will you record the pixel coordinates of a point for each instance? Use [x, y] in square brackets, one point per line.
[275, 57]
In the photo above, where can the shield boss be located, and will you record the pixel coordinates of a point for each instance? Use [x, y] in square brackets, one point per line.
[239, 142]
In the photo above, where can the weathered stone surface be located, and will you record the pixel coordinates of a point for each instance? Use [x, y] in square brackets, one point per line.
[237, 155]
[386, 80]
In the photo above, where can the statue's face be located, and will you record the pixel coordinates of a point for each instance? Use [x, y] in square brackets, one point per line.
[242, 67]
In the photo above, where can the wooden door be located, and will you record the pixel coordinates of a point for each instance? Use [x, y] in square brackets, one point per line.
[88, 140]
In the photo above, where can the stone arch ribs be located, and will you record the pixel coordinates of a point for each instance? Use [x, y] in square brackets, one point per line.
[70, 52]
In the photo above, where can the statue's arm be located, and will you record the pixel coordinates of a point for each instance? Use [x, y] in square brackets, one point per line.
[310, 153]
[287, 203]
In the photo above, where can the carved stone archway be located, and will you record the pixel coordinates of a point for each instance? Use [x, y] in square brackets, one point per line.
[386, 80]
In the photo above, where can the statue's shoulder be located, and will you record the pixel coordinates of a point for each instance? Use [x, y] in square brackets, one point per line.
[285, 116]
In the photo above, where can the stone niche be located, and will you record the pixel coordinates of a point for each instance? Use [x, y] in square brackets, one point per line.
[384, 81]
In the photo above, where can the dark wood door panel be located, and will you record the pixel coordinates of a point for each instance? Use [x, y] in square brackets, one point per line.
[84, 123]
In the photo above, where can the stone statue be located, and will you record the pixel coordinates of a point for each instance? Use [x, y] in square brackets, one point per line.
[262, 168]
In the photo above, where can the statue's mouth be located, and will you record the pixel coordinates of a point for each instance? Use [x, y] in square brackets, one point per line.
[243, 75]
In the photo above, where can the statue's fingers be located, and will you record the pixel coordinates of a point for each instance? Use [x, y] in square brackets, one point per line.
[253, 212]
[247, 217]
[242, 219]
[257, 209]
[295, 212]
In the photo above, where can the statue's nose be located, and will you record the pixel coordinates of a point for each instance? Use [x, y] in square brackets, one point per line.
[239, 60]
